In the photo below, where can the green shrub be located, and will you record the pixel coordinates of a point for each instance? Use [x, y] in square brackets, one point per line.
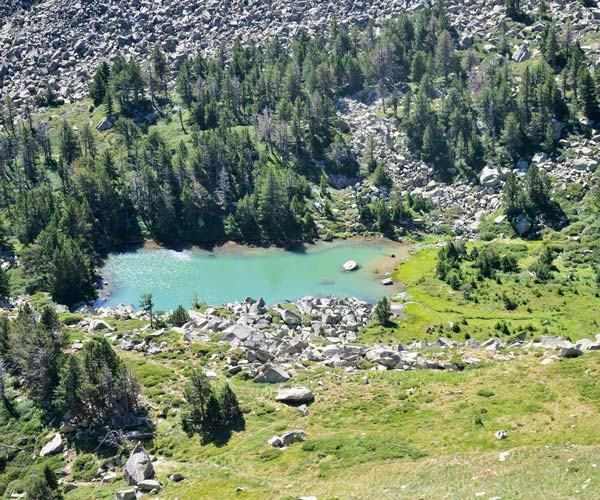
[179, 316]
[271, 454]
[84, 468]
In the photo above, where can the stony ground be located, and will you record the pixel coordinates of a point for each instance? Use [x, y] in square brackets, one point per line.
[60, 42]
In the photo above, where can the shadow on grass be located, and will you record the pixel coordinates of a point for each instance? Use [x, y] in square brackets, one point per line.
[221, 435]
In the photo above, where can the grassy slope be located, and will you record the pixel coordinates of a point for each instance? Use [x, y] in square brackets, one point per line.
[405, 435]
[567, 306]
[420, 434]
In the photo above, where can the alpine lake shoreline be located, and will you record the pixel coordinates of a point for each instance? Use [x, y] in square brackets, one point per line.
[378, 269]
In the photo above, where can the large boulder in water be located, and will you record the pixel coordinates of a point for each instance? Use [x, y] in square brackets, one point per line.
[138, 467]
[350, 265]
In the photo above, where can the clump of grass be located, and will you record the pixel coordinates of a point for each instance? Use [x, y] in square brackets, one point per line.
[85, 468]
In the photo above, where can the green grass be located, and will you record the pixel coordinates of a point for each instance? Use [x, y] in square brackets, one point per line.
[421, 434]
[416, 434]
[567, 306]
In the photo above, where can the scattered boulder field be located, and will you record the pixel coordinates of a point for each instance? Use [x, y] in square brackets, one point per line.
[277, 341]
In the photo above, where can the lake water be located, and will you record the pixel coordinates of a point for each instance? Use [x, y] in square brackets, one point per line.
[230, 274]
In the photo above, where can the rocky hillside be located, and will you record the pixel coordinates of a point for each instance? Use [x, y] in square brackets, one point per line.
[60, 42]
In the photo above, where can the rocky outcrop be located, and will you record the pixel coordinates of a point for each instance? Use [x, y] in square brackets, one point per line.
[59, 43]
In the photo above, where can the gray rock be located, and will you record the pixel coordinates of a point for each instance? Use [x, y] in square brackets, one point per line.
[522, 54]
[292, 437]
[550, 342]
[287, 439]
[272, 375]
[97, 324]
[489, 177]
[66, 487]
[105, 124]
[296, 395]
[275, 442]
[502, 434]
[52, 447]
[138, 467]
[585, 163]
[570, 352]
[350, 265]
[66, 427]
[522, 225]
[384, 356]
[125, 495]
[238, 331]
[290, 317]
[588, 345]
[149, 485]
[466, 41]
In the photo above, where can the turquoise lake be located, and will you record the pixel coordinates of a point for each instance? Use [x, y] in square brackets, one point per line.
[229, 274]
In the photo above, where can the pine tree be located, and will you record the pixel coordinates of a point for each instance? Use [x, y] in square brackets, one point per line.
[537, 188]
[4, 285]
[551, 45]
[383, 311]
[230, 407]
[147, 305]
[513, 8]
[272, 205]
[444, 54]
[511, 136]
[587, 95]
[381, 177]
[179, 317]
[184, 84]
[98, 88]
[108, 103]
[5, 338]
[369, 154]
[418, 66]
[67, 396]
[70, 148]
[159, 70]
[71, 278]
